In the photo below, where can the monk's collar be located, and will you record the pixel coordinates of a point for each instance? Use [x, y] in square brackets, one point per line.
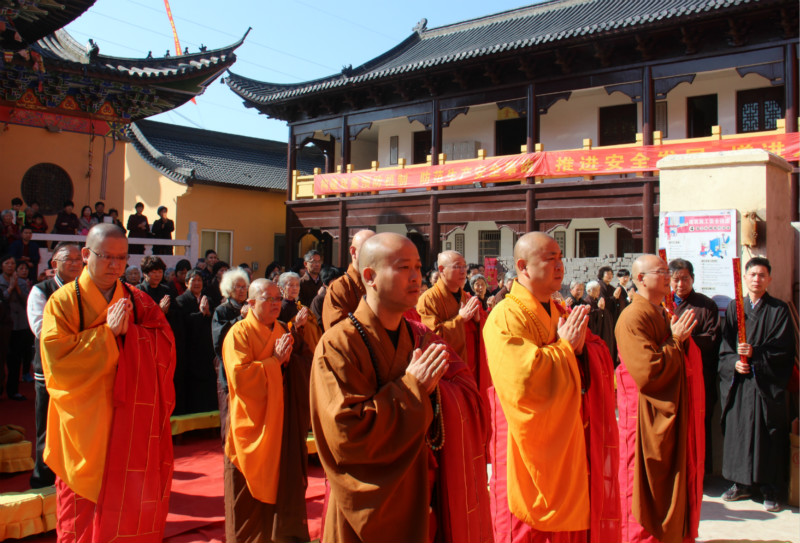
[441, 285]
[526, 296]
[253, 320]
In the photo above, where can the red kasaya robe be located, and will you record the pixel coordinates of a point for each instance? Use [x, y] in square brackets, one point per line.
[126, 494]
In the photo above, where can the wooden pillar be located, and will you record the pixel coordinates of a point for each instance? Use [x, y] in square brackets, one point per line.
[790, 87]
[648, 106]
[648, 235]
[344, 235]
[291, 165]
[436, 132]
[433, 246]
[345, 147]
[530, 210]
[532, 119]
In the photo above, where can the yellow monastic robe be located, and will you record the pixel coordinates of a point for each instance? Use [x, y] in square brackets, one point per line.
[79, 370]
[537, 380]
[255, 385]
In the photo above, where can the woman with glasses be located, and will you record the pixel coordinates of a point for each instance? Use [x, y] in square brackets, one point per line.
[299, 318]
[233, 286]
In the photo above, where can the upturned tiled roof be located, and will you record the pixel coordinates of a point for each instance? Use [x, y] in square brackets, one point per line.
[30, 20]
[192, 155]
[546, 24]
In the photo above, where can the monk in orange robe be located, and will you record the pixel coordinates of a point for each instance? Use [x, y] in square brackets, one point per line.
[554, 443]
[345, 293]
[265, 450]
[661, 413]
[397, 417]
[108, 357]
[448, 310]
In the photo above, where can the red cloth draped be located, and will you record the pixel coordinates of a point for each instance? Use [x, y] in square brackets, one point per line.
[476, 352]
[462, 514]
[628, 404]
[134, 497]
[602, 438]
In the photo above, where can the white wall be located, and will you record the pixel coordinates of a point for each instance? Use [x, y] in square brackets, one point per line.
[607, 235]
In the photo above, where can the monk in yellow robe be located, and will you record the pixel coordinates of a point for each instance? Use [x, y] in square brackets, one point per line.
[108, 357]
[544, 366]
[397, 417]
[661, 411]
[265, 450]
[448, 310]
[345, 293]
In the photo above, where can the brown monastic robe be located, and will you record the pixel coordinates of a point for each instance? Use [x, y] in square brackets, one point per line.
[656, 362]
[343, 296]
[438, 309]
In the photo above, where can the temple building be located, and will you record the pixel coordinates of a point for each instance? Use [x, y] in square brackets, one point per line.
[64, 106]
[563, 102]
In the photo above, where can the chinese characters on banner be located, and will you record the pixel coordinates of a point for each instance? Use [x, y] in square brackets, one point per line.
[707, 239]
[490, 272]
[576, 163]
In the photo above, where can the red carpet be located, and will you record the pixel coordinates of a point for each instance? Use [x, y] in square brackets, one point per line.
[196, 506]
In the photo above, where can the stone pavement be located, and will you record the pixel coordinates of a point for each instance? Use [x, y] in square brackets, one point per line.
[743, 521]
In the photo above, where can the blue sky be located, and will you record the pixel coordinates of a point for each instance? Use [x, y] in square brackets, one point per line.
[291, 41]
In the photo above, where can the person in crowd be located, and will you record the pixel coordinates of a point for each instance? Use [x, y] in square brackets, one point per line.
[162, 229]
[432, 277]
[508, 280]
[604, 277]
[178, 284]
[10, 228]
[114, 214]
[25, 250]
[153, 284]
[107, 358]
[212, 290]
[133, 275]
[99, 212]
[38, 224]
[68, 264]
[265, 475]
[20, 340]
[195, 379]
[472, 270]
[346, 292]
[576, 291]
[31, 210]
[66, 221]
[273, 271]
[456, 316]
[86, 220]
[599, 323]
[300, 319]
[328, 275]
[660, 401]
[24, 273]
[169, 276]
[207, 266]
[247, 269]
[622, 293]
[234, 286]
[19, 214]
[480, 289]
[397, 417]
[138, 227]
[310, 283]
[555, 439]
[706, 336]
[754, 376]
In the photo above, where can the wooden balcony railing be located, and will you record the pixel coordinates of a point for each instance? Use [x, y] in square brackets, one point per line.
[303, 185]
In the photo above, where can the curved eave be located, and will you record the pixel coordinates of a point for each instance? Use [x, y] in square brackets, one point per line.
[42, 24]
[265, 93]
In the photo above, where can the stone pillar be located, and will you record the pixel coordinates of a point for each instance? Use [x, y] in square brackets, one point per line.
[750, 180]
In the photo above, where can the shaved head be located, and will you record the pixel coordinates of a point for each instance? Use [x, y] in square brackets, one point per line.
[264, 298]
[102, 231]
[645, 263]
[377, 248]
[257, 286]
[355, 247]
[530, 244]
[652, 278]
[448, 257]
[537, 258]
[391, 271]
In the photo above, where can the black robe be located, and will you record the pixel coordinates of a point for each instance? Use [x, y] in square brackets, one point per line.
[195, 379]
[225, 316]
[158, 293]
[610, 315]
[162, 230]
[754, 410]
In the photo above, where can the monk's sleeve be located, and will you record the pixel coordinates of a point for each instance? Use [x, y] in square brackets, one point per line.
[75, 362]
[451, 330]
[364, 427]
[727, 349]
[654, 364]
[256, 412]
[332, 306]
[773, 356]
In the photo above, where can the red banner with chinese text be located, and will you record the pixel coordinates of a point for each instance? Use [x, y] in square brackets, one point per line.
[573, 163]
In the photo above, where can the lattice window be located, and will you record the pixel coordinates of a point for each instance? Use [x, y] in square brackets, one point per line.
[459, 243]
[488, 244]
[47, 184]
[759, 109]
[221, 241]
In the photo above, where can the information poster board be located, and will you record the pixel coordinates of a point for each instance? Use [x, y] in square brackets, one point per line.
[707, 239]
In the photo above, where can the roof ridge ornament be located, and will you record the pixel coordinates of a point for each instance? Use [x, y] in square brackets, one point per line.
[421, 27]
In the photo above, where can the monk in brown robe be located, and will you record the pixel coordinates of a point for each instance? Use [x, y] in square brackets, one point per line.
[660, 413]
[265, 451]
[448, 310]
[385, 393]
[346, 292]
